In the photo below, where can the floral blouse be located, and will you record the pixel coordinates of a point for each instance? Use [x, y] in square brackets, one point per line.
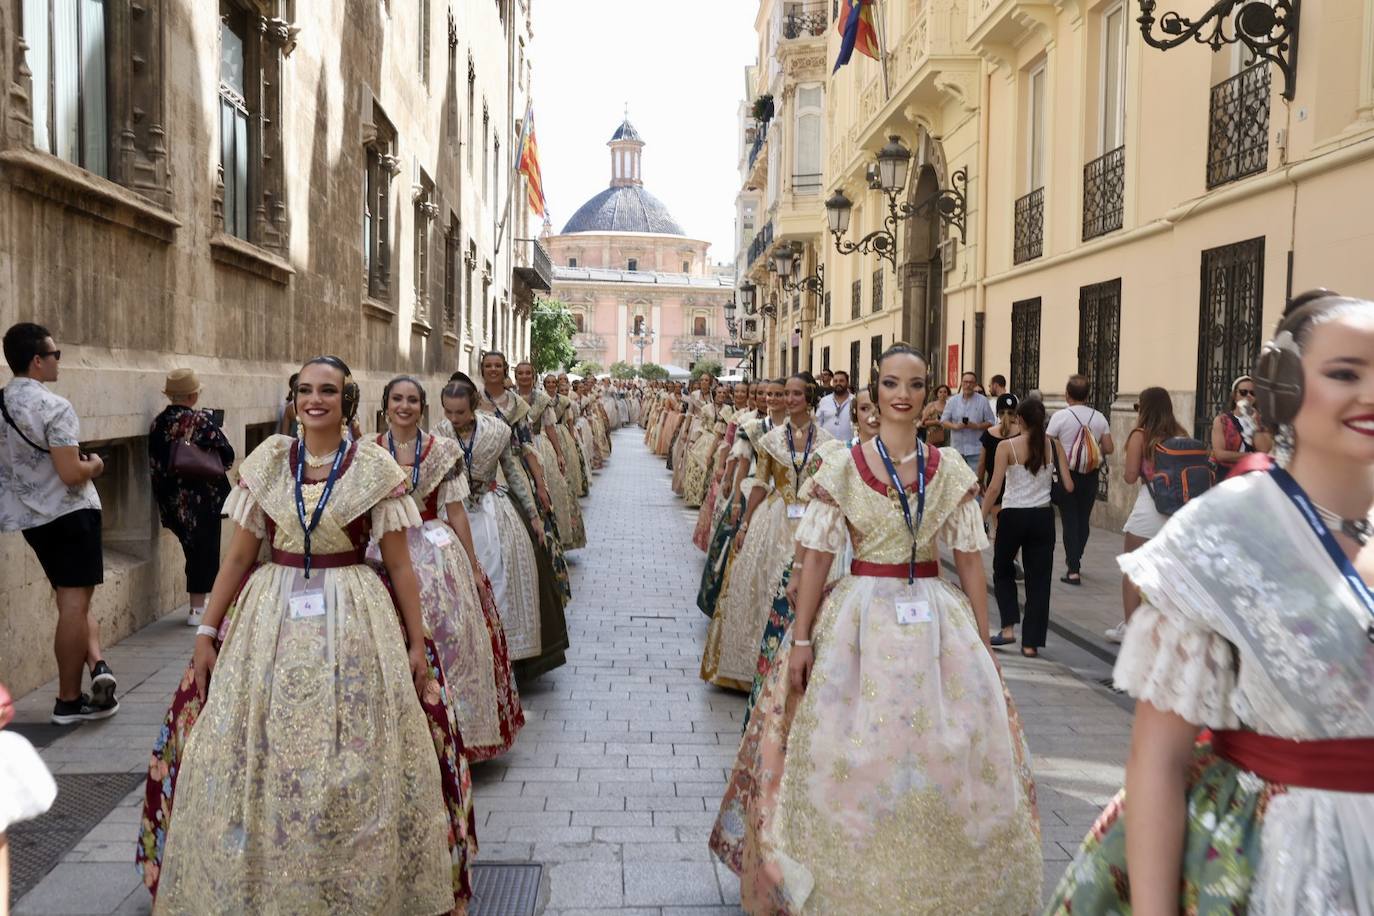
[185, 504]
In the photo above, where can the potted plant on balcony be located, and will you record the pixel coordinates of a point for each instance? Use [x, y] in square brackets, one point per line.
[763, 109]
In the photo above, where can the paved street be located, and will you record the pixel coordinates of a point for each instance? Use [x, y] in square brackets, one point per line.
[614, 782]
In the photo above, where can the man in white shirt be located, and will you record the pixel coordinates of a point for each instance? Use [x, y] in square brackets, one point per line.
[46, 494]
[1076, 508]
[832, 414]
[967, 415]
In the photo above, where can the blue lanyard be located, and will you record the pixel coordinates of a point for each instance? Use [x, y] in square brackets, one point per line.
[309, 528]
[806, 454]
[467, 447]
[414, 468]
[491, 400]
[901, 496]
[1300, 499]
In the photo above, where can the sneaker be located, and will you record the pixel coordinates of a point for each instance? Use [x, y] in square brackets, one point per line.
[1116, 633]
[70, 712]
[1017, 572]
[103, 686]
[194, 616]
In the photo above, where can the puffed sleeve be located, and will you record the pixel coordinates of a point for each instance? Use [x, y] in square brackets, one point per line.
[395, 513]
[822, 526]
[243, 510]
[455, 488]
[1179, 667]
[963, 530]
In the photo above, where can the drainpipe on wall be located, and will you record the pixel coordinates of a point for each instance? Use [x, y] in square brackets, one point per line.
[980, 299]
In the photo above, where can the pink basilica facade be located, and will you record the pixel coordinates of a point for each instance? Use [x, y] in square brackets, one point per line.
[640, 289]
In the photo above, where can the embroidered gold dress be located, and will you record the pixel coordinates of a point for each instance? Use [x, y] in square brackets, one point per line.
[899, 782]
[701, 456]
[466, 630]
[309, 783]
[572, 452]
[572, 534]
[731, 655]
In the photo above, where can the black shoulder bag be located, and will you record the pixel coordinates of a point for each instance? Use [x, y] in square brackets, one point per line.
[15, 426]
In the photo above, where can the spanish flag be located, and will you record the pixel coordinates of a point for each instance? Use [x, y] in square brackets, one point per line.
[527, 162]
[857, 31]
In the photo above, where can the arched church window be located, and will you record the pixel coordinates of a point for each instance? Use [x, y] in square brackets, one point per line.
[699, 326]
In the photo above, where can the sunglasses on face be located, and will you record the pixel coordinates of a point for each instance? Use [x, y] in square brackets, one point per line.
[55, 354]
[1246, 392]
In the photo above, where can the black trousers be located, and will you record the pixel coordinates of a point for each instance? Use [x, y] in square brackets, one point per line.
[1076, 511]
[201, 548]
[1030, 531]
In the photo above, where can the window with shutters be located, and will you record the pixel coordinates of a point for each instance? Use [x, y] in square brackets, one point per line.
[856, 292]
[382, 166]
[426, 212]
[854, 359]
[878, 290]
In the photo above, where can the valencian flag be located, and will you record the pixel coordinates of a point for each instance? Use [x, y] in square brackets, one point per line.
[857, 31]
[527, 163]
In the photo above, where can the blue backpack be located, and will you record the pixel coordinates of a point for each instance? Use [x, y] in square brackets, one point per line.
[1183, 471]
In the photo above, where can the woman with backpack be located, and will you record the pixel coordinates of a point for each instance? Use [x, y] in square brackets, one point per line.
[1236, 432]
[1155, 422]
[1025, 524]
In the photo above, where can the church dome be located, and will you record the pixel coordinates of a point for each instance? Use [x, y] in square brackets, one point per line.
[628, 208]
[625, 206]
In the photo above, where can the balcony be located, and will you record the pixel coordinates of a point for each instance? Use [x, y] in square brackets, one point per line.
[1030, 227]
[533, 266]
[759, 247]
[1238, 138]
[1104, 193]
[807, 19]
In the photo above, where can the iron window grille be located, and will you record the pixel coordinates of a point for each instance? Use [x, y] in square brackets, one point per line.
[1104, 193]
[1229, 325]
[854, 360]
[857, 299]
[801, 20]
[1238, 131]
[1030, 226]
[452, 255]
[826, 313]
[878, 290]
[875, 351]
[1099, 349]
[1025, 346]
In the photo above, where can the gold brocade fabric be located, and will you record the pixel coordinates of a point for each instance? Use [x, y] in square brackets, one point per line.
[699, 456]
[899, 782]
[309, 783]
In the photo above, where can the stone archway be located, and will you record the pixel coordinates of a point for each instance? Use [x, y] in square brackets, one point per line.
[921, 270]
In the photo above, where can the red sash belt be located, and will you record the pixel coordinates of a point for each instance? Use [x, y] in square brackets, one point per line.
[321, 560]
[927, 570]
[1336, 764]
[428, 515]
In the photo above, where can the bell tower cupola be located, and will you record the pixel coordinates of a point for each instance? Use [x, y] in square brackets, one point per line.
[626, 151]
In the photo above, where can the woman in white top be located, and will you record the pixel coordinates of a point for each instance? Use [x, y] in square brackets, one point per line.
[1026, 524]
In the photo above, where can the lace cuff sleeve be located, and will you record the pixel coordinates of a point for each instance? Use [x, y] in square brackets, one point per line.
[1178, 667]
[963, 530]
[395, 513]
[822, 528]
[244, 511]
[454, 490]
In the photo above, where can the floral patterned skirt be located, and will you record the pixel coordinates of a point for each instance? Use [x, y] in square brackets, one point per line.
[1226, 808]
[571, 531]
[700, 459]
[717, 560]
[780, 616]
[707, 516]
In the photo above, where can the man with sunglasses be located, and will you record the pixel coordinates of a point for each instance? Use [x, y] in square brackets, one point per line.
[1236, 432]
[46, 493]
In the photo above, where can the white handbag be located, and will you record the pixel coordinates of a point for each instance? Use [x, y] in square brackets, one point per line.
[27, 788]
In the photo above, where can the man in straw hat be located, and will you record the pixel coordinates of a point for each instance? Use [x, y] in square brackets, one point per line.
[189, 504]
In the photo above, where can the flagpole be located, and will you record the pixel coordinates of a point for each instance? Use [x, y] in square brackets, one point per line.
[882, 47]
[514, 177]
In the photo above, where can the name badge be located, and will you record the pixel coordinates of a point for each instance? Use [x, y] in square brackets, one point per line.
[796, 510]
[909, 612]
[438, 536]
[307, 604]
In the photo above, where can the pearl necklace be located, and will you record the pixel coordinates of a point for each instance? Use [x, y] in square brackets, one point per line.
[312, 462]
[1359, 530]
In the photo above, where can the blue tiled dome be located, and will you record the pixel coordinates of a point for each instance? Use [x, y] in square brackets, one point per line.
[626, 131]
[624, 209]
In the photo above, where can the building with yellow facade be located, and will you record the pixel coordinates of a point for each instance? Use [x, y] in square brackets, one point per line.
[1077, 201]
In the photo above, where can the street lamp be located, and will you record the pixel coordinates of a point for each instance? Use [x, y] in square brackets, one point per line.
[1267, 28]
[788, 262]
[730, 324]
[893, 167]
[642, 338]
[747, 292]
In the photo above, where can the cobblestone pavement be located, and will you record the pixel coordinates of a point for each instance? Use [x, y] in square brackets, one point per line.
[615, 780]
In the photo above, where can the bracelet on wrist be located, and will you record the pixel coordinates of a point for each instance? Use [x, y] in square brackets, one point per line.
[804, 643]
[205, 630]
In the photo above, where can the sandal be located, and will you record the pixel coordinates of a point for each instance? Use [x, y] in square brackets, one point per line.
[1070, 579]
[998, 641]
[1030, 652]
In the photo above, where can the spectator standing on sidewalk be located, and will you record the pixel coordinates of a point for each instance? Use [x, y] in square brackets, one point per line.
[46, 493]
[1236, 431]
[832, 414]
[966, 416]
[1154, 423]
[1021, 480]
[997, 386]
[1076, 508]
[189, 506]
[932, 431]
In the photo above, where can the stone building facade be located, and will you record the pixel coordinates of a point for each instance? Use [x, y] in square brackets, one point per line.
[1135, 214]
[235, 186]
[640, 290]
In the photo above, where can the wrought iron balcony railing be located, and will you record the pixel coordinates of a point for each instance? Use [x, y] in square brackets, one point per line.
[760, 136]
[1238, 138]
[804, 20]
[759, 246]
[806, 184]
[1104, 193]
[533, 265]
[1030, 227]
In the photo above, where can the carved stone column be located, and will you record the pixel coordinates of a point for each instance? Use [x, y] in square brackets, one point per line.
[915, 305]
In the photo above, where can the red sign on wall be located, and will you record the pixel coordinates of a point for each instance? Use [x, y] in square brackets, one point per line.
[952, 372]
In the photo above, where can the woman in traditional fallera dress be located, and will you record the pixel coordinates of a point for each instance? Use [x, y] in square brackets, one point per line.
[763, 542]
[511, 549]
[562, 413]
[886, 773]
[701, 456]
[542, 423]
[729, 505]
[722, 464]
[460, 613]
[1268, 642]
[310, 782]
[700, 416]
